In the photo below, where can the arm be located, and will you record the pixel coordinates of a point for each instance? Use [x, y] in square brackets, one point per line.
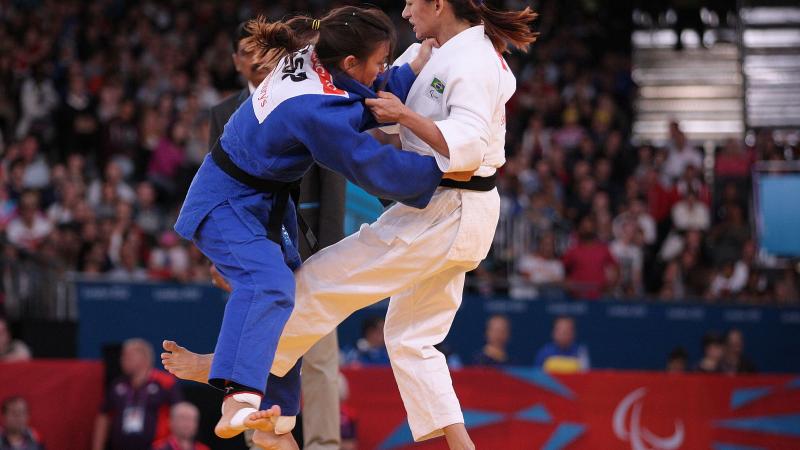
[463, 137]
[329, 132]
[100, 434]
[399, 79]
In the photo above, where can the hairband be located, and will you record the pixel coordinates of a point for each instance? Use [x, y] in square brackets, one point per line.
[315, 24]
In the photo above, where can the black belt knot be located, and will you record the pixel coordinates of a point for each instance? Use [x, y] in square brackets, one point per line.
[281, 191]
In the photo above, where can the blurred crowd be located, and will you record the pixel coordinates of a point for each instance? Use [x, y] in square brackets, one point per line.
[104, 120]
[564, 353]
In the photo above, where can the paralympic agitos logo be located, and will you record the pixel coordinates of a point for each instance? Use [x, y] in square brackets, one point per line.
[627, 424]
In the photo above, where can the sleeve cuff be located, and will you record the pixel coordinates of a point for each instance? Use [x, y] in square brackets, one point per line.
[465, 153]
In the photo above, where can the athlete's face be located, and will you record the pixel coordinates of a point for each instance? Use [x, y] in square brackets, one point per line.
[423, 16]
[367, 70]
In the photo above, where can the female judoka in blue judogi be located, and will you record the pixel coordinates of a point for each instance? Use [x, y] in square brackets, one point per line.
[239, 211]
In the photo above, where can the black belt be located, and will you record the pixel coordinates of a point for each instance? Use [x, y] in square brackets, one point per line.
[281, 191]
[481, 184]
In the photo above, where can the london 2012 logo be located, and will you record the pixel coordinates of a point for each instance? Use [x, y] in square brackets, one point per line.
[627, 423]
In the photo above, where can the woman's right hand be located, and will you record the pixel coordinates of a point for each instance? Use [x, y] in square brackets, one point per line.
[423, 56]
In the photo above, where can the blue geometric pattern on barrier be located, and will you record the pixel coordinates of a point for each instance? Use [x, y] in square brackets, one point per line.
[402, 436]
[741, 397]
[541, 379]
[724, 446]
[474, 418]
[537, 413]
[788, 425]
[565, 434]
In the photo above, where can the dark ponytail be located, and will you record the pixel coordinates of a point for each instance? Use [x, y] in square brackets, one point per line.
[504, 28]
[268, 42]
[344, 31]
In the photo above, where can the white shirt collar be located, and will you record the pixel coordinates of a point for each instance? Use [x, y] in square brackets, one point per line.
[471, 34]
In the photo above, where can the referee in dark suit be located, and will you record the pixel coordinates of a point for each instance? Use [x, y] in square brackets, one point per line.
[322, 206]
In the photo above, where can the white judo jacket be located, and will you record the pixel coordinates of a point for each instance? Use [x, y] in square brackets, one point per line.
[463, 88]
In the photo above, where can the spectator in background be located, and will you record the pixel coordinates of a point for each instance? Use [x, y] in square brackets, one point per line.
[31, 227]
[735, 361]
[498, 333]
[713, 349]
[672, 286]
[627, 251]
[637, 212]
[690, 213]
[38, 100]
[183, 420]
[129, 267]
[167, 159]
[677, 361]
[15, 433]
[170, 260]
[590, 267]
[37, 172]
[681, 154]
[370, 350]
[725, 285]
[135, 410]
[542, 268]
[115, 183]
[563, 354]
[11, 350]
[62, 211]
[692, 181]
[149, 217]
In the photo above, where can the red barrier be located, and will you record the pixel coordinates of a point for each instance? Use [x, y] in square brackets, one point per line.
[526, 410]
[512, 410]
[64, 398]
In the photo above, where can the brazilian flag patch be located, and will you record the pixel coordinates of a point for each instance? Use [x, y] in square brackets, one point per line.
[437, 85]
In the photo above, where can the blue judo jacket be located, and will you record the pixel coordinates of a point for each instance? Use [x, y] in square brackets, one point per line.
[299, 114]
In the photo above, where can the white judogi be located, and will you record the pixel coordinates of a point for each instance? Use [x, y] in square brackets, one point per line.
[418, 257]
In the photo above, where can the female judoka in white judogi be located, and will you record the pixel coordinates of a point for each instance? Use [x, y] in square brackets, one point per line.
[420, 257]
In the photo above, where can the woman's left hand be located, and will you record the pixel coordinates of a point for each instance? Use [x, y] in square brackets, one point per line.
[387, 108]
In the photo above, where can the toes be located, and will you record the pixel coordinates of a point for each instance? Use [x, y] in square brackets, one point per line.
[169, 346]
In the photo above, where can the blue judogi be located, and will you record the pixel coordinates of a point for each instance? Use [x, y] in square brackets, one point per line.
[298, 115]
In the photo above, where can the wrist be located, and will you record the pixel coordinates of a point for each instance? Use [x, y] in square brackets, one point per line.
[416, 66]
[405, 116]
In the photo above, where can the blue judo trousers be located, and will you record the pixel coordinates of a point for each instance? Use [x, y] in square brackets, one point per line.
[301, 113]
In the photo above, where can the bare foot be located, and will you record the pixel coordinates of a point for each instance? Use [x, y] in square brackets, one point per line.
[185, 364]
[238, 416]
[272, 441]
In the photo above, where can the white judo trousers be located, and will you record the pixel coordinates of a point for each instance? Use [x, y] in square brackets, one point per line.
[425, 284]
[418, 257]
